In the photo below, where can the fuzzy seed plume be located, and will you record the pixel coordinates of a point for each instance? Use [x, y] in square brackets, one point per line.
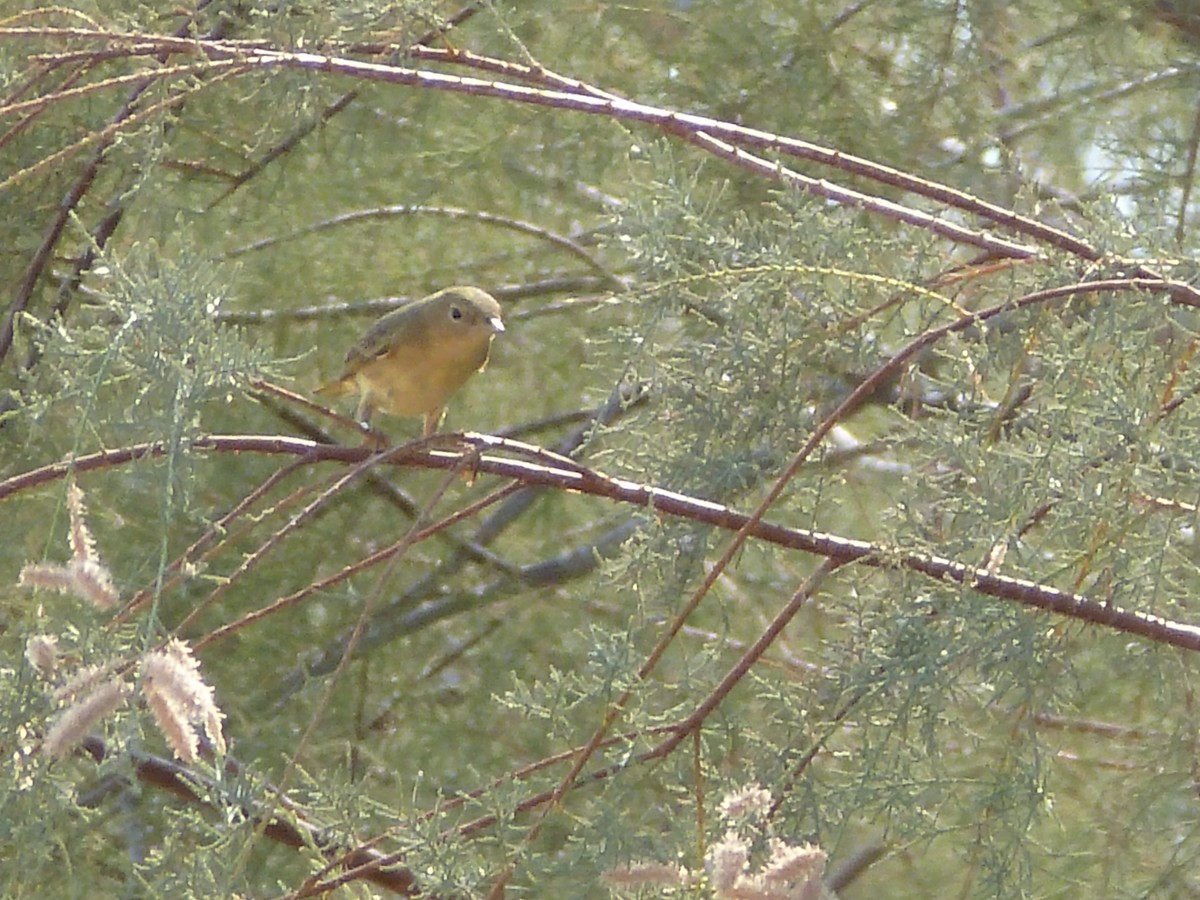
[47, 576]
[42, 652]
[751, 888]
[172, 722]
[87, 579]
[83, 545]
[77, 719]
[793, 864]
[93, 582]
[180, 700]
[641, 874]
[83, 680]
[749, 802]
[727, 860]
[84, 576]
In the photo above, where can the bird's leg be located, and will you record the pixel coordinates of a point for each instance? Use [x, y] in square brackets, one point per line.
[433, 421]
[372, 436]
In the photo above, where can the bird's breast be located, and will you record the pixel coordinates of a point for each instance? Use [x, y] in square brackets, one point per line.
[414, 384]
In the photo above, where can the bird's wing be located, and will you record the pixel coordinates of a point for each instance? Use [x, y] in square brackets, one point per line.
[374, 344]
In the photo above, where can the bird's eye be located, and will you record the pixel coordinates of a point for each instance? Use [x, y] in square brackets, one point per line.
[455, 312]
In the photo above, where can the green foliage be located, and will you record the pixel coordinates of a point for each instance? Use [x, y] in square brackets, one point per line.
[236, 220]
[152, 341]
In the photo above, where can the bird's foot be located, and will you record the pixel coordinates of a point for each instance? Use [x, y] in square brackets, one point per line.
[373, 437]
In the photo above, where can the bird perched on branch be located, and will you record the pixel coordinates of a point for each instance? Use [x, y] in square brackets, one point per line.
[414, 358]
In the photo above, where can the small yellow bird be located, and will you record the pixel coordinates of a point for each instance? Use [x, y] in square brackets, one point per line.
[412, 359]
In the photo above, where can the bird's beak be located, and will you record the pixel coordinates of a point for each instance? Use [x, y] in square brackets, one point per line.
[496, 324]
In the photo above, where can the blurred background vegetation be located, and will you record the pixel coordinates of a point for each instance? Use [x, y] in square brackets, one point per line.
[179, 228]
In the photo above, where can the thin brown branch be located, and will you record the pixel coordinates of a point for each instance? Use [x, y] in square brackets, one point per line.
[294, 523]
[673, 122]
[748, 527]
[1094, 727]
[748, 659]
[694, 721]
[542, 798]
[406, 615]
[103, 138]
[127, 115]
[819, 187]
[1189, 176]
[720, 137]
[285, 146]
[794, 148]
[360, 871]
[860, 395]
[447, 212]
[677, 123]
[399, 616]
[172, 575]
[294, 139]
[840, 549]
[784, 787]
[296, 831]
[18, 128]
[683, 124]
[371, 560]
[579, 284]
[581, 98]
[360, 625]
[804, 150]
[177, 43]
[677, 734]
[42, 101]
[387, 489]
[789, 147]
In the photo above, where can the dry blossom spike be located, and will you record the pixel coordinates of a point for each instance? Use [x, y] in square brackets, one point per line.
[42, 652]
[750, 802]
[85, 575]
[93, 582]
[172, 722]
[78, 718]
[83, 545]
[789, 873]
[48, 576]
[180, 700]
[801, 864]
[643, 874]
[82, 680]
[727, 860]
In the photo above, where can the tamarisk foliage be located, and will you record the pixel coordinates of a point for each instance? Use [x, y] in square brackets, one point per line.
[826, 525]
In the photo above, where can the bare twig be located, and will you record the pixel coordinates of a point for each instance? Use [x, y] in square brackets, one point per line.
[398, 616]
[381, 556]
[128, 114]
[446, 212]
[842, 550]
[296, 830]
[293, 140]
[579, 284]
